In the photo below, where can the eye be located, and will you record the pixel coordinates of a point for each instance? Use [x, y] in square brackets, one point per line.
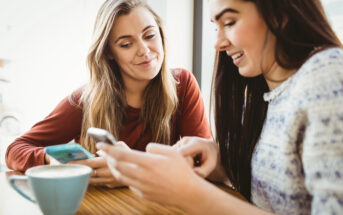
[125, 45]
[229, 24]
[150, 36]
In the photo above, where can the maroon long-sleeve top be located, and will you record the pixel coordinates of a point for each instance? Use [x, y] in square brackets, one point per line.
[64, 124]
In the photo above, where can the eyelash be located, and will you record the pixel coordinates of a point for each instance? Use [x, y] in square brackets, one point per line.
[150, 36]
[230, 24]
[127, 45]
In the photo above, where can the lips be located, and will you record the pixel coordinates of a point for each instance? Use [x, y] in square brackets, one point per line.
[146, 62]
[237, 55]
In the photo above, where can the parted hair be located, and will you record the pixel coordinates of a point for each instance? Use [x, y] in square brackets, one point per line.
[301, 29]
[103, 98]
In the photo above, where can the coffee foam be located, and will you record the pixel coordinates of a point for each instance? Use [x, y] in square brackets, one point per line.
[58, 171]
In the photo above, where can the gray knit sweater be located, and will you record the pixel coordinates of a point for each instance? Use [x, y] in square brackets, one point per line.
[297, 165]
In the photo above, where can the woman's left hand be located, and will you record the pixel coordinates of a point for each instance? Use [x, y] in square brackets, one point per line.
[101, 174]
[161, 175]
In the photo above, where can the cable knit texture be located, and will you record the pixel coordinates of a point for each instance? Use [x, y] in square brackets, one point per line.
[297, 165]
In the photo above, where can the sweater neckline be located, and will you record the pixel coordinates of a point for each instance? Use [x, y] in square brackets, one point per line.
[277, 91]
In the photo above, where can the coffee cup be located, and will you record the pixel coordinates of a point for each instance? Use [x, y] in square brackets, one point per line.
[57, 189]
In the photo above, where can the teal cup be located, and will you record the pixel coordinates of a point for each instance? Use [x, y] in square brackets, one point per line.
[57, 189]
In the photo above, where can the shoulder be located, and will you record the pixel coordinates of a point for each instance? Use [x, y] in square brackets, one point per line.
[329, 60]
[181, 74]
[321, 74]
[184, 78]
[75, 97]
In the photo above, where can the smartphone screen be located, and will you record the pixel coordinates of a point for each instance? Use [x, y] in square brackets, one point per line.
[68, 152]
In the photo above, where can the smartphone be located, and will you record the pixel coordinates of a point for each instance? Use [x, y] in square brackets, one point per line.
[68, 152]
[101, 135]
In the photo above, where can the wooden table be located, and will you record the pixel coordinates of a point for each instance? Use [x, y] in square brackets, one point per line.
[98, 200]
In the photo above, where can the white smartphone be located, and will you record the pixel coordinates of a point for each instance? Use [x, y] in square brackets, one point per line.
[101, 135]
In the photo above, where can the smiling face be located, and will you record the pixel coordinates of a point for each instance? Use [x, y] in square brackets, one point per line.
[243, 34]
[136, 45]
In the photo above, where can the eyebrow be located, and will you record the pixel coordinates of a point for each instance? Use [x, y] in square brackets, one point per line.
[128, 36]
[226, 10]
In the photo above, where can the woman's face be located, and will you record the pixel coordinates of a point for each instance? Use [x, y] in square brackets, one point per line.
[136, 45]
[243, 35]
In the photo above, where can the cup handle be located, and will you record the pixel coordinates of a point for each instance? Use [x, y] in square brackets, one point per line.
[12, 179]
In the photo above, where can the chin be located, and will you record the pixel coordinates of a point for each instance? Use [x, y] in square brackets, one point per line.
[248, 73]
[152, 75]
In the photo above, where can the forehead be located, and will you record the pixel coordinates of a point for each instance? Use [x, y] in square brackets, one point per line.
[217, 6]
[134, 22]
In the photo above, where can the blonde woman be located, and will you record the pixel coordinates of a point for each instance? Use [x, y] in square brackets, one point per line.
[131, 93]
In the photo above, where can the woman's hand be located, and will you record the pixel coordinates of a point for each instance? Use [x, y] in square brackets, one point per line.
[207, 151]
[101, 174]
[161, 174]
[204, 153]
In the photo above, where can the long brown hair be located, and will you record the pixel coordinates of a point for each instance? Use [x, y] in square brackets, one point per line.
[300, 28]
[103, 99]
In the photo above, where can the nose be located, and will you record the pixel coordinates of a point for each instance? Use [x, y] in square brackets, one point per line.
[222, 41]
[143, 48]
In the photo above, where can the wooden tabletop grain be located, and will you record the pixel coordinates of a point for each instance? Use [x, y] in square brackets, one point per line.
[98, 200]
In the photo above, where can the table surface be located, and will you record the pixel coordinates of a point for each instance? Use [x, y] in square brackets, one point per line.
[98, 200]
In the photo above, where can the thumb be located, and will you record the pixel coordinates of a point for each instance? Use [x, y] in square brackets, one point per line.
[123, 145]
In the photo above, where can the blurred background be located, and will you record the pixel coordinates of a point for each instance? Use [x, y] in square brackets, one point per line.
[44, 44]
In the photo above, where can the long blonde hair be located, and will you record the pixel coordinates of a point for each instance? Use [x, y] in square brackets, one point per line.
[103, 99]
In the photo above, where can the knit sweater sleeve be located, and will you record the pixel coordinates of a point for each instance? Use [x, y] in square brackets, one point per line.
[60, 126]
[322, 150]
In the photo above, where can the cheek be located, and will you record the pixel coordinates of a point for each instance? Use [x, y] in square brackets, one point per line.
[123, 57]
[159, 48]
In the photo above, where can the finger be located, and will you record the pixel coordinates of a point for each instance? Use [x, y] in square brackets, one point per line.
[200, 172]
[190, 161]
[205, 169]
[191, 148]
[123, 145]
[123, 155]
[129, 170]
[130, 182]
[136, 191]
[101, 180]
[92, 162]
[102, 172]
[156, 148]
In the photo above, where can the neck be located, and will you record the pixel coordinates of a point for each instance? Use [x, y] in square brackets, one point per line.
[277, 75]
[134, 92]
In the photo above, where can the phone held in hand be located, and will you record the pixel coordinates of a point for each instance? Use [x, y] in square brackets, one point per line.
[101, 135]
[68, 152]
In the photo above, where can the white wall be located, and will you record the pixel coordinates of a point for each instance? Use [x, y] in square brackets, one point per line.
[178, 21]
[45, 44]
